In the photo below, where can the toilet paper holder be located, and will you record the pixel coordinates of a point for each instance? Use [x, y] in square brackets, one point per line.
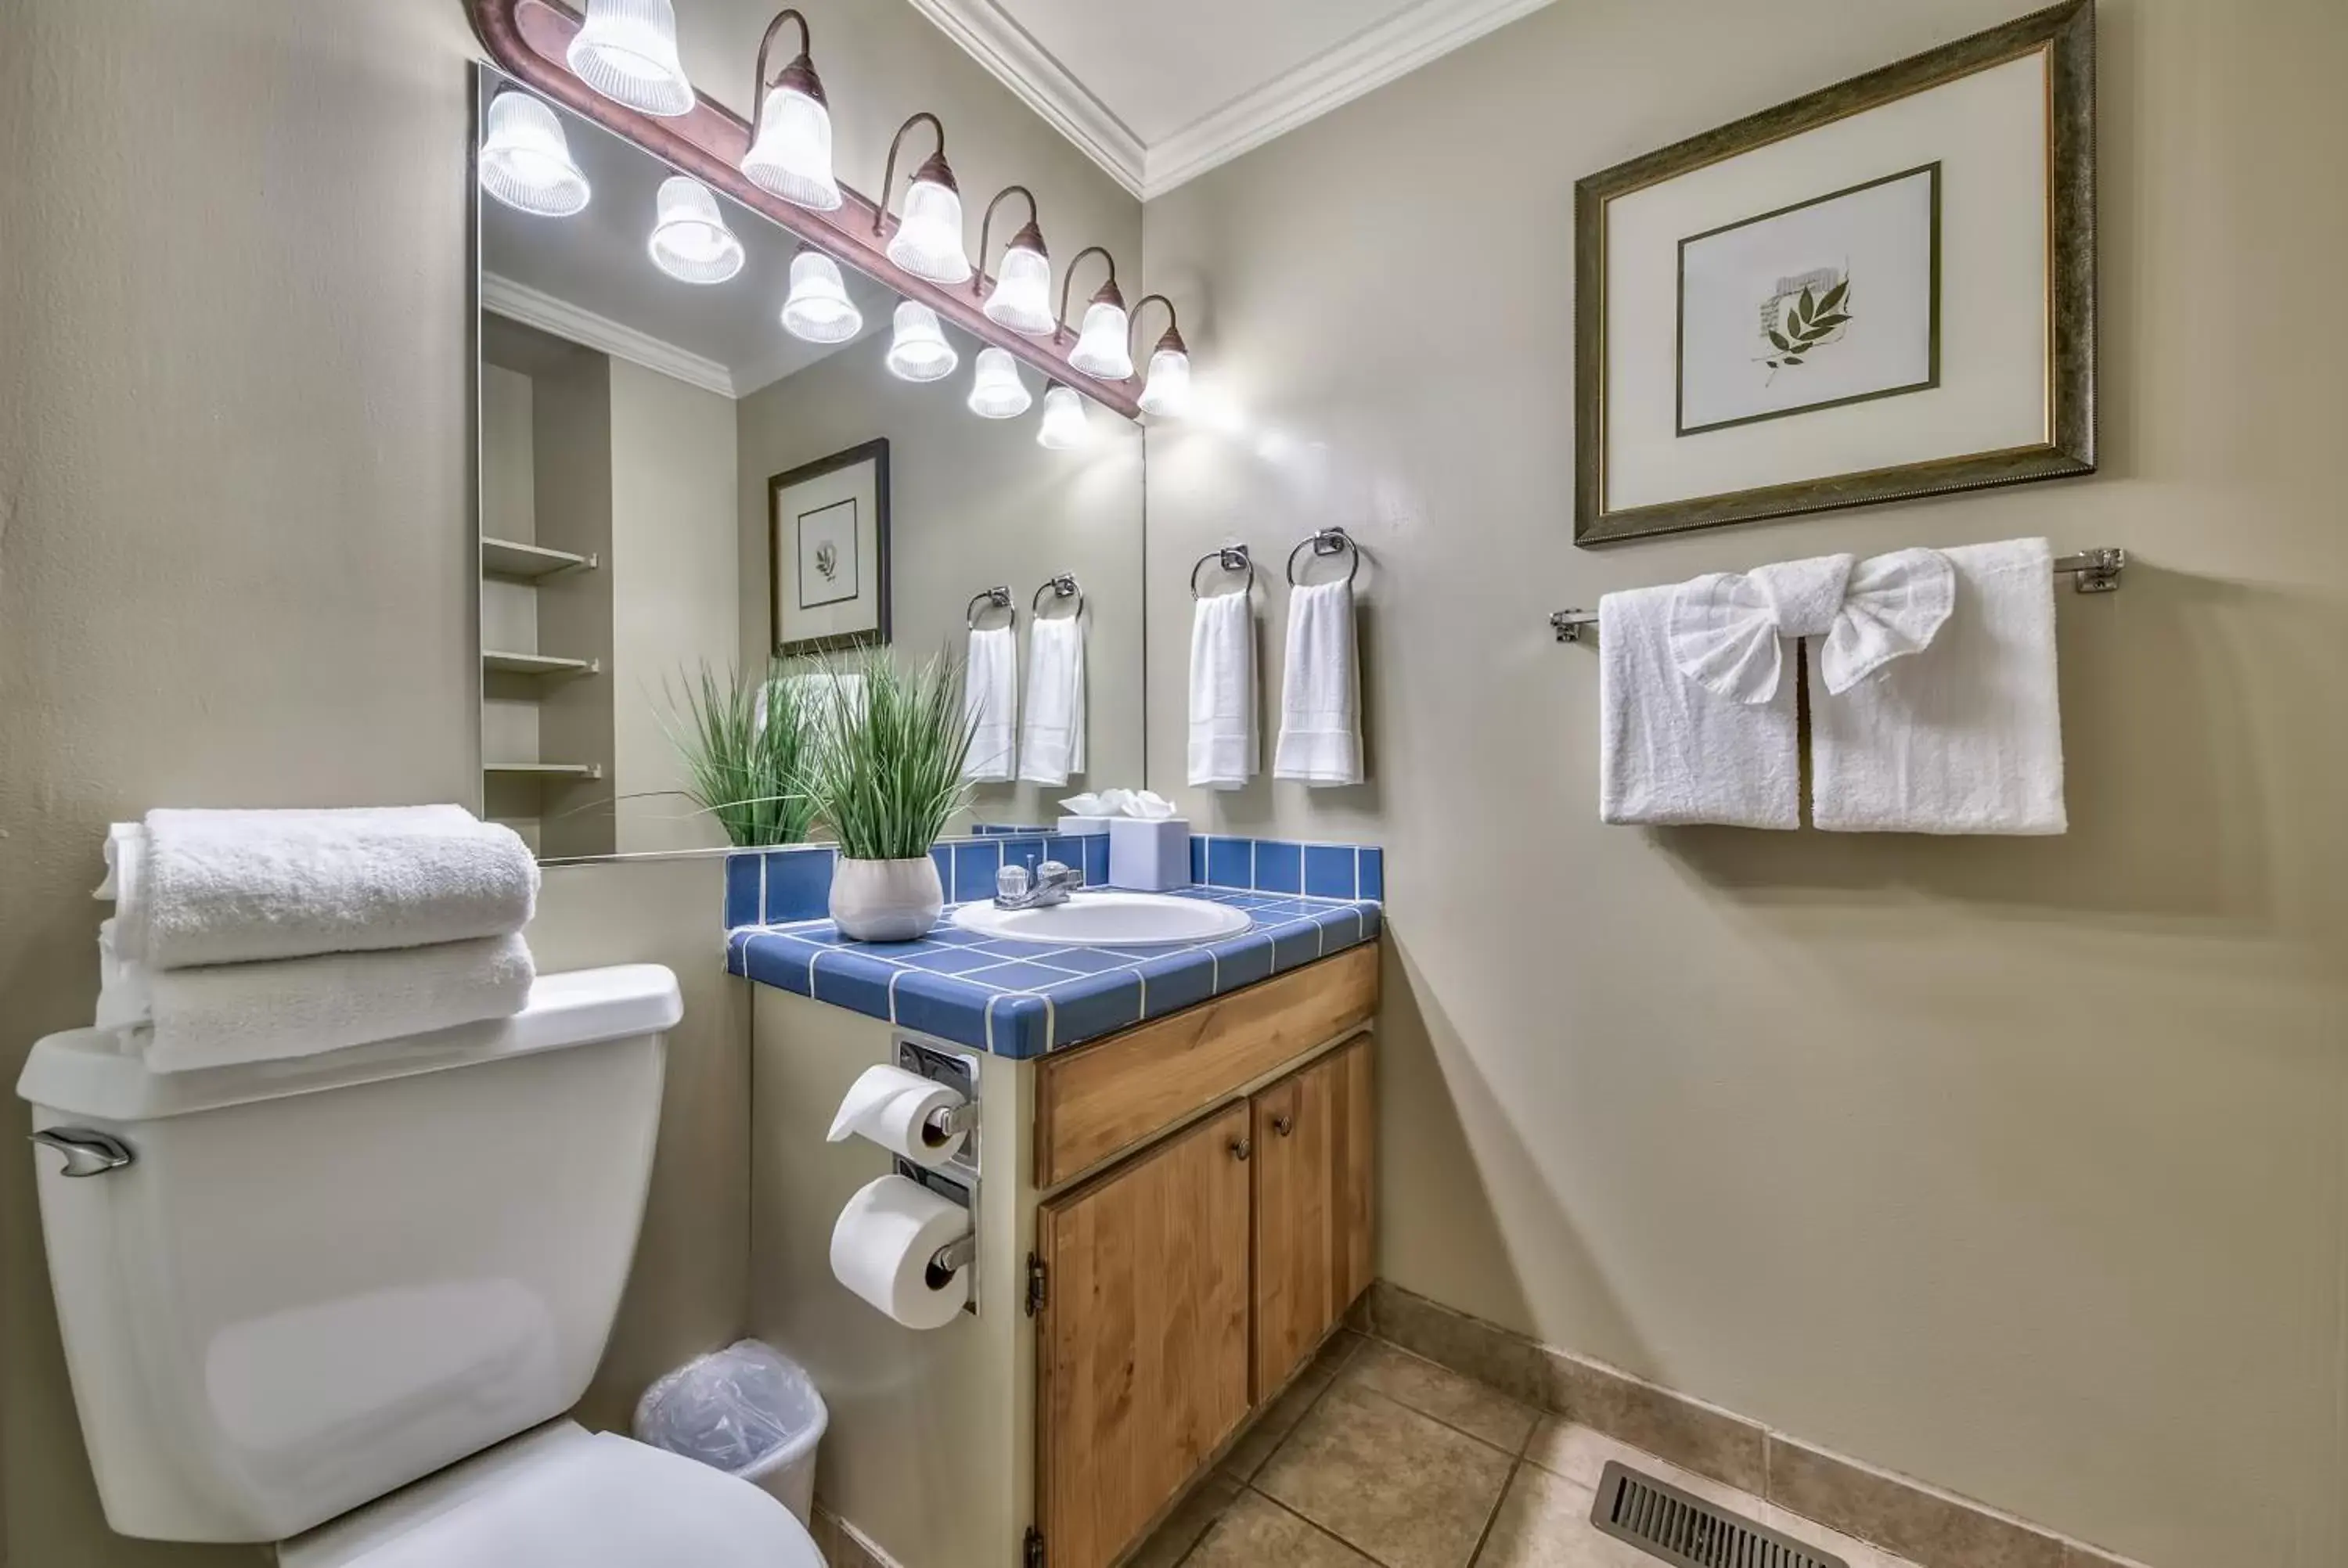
[963, 1251]
[959, 1071]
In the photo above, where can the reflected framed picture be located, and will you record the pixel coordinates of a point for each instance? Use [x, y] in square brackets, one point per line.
[827, 552]
[1885, 289]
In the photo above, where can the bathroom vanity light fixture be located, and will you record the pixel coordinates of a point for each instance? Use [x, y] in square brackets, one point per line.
[818, 309]
[525, 161]
[626, 50]
[1065, 424]
[690, 240]
[1167, 392]
[1022, 299]
[790, 128]
[1101, 349]
[996, 390]
[928, 242]
[919, 352]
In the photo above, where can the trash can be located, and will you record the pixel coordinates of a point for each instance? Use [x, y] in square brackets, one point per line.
[747, 1410]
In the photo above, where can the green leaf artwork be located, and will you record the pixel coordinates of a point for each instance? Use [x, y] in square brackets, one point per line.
[1812, 320]
[827, 560]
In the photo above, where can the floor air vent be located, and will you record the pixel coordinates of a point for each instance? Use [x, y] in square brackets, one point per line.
[1669, 1524]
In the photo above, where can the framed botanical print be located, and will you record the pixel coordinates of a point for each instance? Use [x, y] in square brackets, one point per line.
[1883, 290]
[828, 552]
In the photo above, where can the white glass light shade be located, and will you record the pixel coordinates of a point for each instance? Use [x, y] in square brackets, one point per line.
[1064, 419]
[626, 50]
[792, 156]
[525, 161]
[928, 243]
[919, 352]
[690, 240]
[1101, 348]
[818, 309]
[1022, 299]
[996, 391]
[1167, 393]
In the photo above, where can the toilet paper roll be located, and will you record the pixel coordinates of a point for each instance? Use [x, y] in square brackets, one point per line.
[881, 1248]
[892, 1107]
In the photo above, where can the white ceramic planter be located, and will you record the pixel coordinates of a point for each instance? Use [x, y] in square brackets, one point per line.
[886, 900]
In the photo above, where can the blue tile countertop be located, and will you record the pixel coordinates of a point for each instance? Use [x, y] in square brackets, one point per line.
[1025, 999]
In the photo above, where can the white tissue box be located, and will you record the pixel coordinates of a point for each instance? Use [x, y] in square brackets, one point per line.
[1148, 856]
[1084, 826]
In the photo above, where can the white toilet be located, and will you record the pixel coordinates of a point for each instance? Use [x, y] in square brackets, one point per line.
[289, 1289]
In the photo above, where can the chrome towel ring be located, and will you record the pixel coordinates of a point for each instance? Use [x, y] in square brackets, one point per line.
[991, 597]
[1227, 557]
[1064, 586]
[1328, 542]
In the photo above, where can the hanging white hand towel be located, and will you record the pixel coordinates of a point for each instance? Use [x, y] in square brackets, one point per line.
[1225, 747]
[1052, 736]
[1967, 735]
[1320, 690]
[990, 701]
[237, 887]
[215, 1014]
[1671, 749]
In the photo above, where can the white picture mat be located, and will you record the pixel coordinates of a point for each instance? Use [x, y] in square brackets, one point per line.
[858, 481]
[1989, 131]
[1880, 238]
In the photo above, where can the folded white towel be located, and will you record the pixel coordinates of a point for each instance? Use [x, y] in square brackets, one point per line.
[990, 703]
[1674, 752]
[237, 887]
[1225, 748]
[1051, 739]
[216, 1014]
[1320, 690]
[1964, 737]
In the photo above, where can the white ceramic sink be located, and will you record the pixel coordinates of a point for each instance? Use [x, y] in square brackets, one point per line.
[1108, 919]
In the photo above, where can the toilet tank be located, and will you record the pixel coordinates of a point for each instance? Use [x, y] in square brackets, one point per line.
[321, 1279]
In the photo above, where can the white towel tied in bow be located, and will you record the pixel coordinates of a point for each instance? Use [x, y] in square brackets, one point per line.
[1728, 629]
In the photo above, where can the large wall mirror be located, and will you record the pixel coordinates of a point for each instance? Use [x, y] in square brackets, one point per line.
[672, 482]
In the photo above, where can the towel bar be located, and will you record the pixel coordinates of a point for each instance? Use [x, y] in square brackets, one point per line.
[2091, 571]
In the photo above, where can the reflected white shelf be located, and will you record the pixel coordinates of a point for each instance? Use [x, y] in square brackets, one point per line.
[535, 664]
[548, 770]
[509, 557]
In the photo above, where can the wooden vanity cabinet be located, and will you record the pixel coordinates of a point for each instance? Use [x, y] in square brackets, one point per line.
[1312, 1192]
[1180, 1287]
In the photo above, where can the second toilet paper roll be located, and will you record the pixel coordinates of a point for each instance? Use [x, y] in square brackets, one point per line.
[892, 1107]
[882, 1244]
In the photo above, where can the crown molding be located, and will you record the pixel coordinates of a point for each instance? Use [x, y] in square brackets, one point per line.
[1360, 65]
[990, 36]
[1368, 60]
[521, 303]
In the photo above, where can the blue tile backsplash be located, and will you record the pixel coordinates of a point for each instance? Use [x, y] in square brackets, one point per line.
[1020, 999]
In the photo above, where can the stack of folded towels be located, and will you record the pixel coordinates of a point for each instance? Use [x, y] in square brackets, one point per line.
[253, 935]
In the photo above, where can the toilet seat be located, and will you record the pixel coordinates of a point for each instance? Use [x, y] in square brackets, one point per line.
[563, 1497]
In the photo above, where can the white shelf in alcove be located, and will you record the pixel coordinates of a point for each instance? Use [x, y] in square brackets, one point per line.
[528, 563]
[548, 770]
[503, 663]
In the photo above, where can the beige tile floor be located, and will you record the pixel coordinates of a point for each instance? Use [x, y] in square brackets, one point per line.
[1376, 1459]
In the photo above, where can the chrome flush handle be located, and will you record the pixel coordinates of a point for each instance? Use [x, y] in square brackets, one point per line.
[88, 1152]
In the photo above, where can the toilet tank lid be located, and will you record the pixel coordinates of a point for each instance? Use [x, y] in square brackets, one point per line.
[93, 1073]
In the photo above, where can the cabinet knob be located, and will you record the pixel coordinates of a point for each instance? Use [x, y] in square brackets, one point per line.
[1283, 1125]
[1242, 1148]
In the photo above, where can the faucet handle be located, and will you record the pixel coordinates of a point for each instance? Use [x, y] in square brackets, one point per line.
[1058, 873]
[1011, 881]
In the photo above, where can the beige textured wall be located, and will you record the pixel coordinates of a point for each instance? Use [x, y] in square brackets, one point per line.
[673, 592]
[973, 504]
[2017, 1166]
[236, 547]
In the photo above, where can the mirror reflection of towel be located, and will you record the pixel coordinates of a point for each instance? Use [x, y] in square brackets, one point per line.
[1052, 741]
[990, 704]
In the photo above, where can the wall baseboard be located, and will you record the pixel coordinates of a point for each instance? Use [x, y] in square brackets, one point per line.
[1909, 1518]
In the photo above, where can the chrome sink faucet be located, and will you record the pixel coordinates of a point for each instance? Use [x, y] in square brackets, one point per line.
[1054, 881]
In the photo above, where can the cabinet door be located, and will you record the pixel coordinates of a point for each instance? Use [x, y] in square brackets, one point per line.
[1313, 1192]
[1142, 1351]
